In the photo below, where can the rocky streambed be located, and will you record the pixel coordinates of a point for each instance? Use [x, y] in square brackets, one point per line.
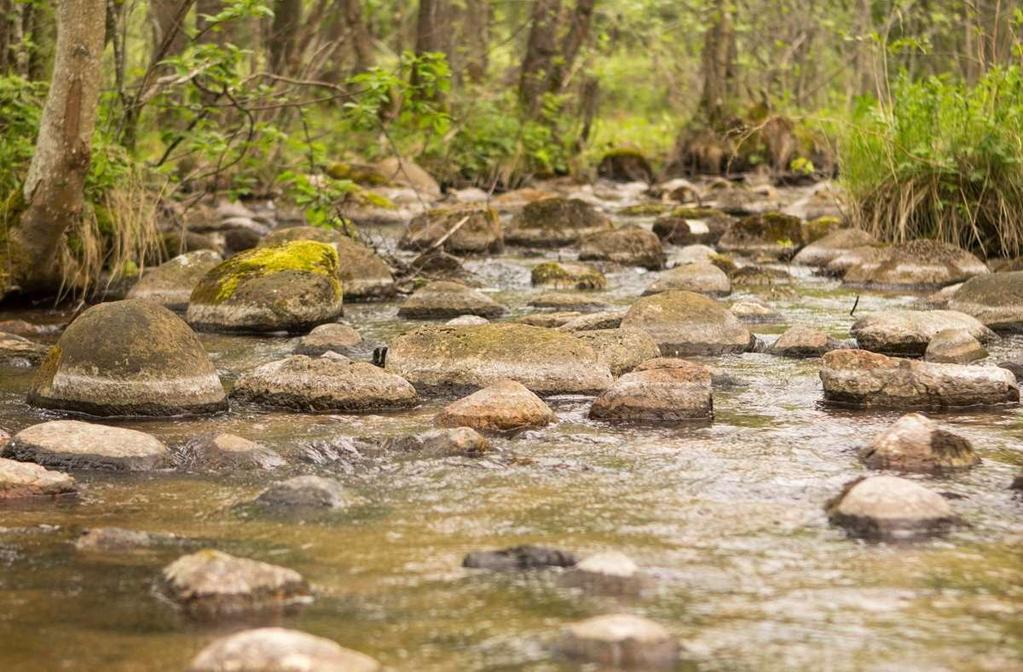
[704, 508]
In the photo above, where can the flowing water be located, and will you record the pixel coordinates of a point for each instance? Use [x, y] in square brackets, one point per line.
[726, 518]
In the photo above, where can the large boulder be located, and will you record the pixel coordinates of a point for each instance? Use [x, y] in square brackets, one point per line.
[621, 349]
[505, 406]
[364, 275]
[443, 300]
[890, 508]
[290, 287]
[917, 443]
[212, 584]
[554, 222]
[907, 332]
[685, 323]
[128, 358]
[867, 379]
[996, 300]
[71, 444]
[330, 383]
[279, 650]
[668, 390]
[567, 275]
[171, 283]
[621, 641]
[692, 226]
[546, 361]
[701, 277]
[917, 264]
[628, 245]
[480, 233]
[771, 235]
[822, 252]
[19, 480]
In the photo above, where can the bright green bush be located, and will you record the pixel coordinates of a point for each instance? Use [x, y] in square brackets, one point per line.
[941, 160]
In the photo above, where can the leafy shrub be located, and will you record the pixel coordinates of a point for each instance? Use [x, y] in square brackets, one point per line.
[941, 160]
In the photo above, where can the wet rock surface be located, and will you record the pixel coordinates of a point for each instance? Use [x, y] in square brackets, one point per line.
[621, 640]
[917, 443]
[664, 390]
[20, 480]
[995, 299]
[303, 492]
[890, 508]
[917, 264]
[954, 346]
[171, 283]
[553, 222]
[505, 406]
[629, 246]
[444, 300]
[519, 557]
[700, 277]
[685, 323]
[908, 332]
[339, 338]
[803, 341]
[216, 452]
[279, 650]
[447, 442]
[72, 445]
[210, 584]
[861, 378]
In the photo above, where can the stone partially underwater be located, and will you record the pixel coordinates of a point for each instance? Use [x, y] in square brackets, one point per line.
[128, 358]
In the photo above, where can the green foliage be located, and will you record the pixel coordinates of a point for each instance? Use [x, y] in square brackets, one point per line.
[21, 104]
[942, 160]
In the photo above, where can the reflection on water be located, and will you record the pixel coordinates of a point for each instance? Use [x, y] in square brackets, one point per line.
[728, 518]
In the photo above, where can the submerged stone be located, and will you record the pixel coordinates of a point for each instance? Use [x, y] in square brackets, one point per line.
[554, 222]
[329, 383]
[288, 287]
[908, 332]
[505, 406]
[668, 390]
[861, 378]
[279, 650]
[128, 358]
[212, 584]
[303, 492]
[685, 323]
[890, 508]
[519, 557]
[621, 641]
[442, 300]
[120, 540]
[20, 480]
[446, 442]
[228, 451]
[609, 573]
[546, 361]
[917, 443]
[71, 444]
[995, 299]
[171, 283]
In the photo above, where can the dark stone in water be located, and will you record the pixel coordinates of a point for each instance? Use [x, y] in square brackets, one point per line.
[303, 492]
[519, 557]
[120, 540]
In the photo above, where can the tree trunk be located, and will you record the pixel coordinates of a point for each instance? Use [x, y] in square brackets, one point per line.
[541, 49]
[40, 29]
[362, 41]
[718, 63]
[578, 32]
[283, 32]
[432, 29]
[53, 190]
[477, 39]
[168, 23]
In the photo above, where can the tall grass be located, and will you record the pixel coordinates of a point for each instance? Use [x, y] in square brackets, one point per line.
[941, 159]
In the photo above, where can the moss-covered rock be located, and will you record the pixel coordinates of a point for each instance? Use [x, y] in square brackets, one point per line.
[567, 275]
[621, 349]
[365, 276]
[554, 222]
[289, 287]
[360, 173]
[917, 264]
[625, 165]
[568, 301]
[170, 284]
[479, 234]
[628, 245]
[693, 226]
[443, 300]
[648, 209]
[772, 234]
[820, 227]
[685, 323]
[128, 358]
[996, 300]
[458, 358]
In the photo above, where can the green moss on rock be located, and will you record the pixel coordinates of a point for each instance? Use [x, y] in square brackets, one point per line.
[568, 276]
